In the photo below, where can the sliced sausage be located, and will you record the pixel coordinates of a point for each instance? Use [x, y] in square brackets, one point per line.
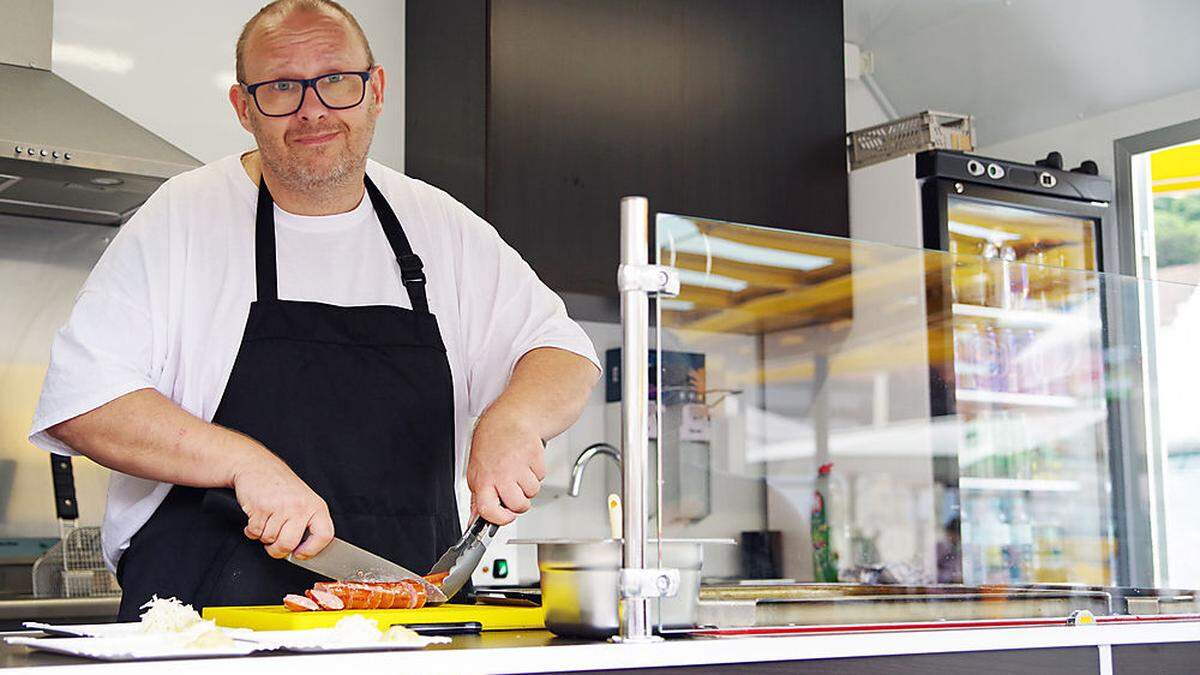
[416, 591]
[390, 601]
[335, 587]
[300, 603]
[357, 596]
[325, 599]
[404, 599]
[376, 598]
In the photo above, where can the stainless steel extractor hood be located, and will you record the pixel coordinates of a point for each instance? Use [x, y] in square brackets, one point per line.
[63, 154]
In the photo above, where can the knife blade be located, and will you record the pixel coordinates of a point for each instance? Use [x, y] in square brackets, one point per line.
[461, 559]
[339, 560]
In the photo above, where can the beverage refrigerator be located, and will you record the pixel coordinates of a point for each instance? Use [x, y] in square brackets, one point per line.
[1018, 323]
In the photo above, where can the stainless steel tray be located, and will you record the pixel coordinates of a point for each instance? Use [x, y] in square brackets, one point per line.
[814, 604]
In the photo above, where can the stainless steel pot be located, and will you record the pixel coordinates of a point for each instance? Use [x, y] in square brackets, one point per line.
[579, 580]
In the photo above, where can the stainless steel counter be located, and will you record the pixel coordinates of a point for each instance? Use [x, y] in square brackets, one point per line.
[19, 608]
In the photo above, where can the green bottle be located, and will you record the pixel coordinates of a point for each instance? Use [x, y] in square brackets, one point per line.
[824, 557]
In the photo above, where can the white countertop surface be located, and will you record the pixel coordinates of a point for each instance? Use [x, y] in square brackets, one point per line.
[507, 651]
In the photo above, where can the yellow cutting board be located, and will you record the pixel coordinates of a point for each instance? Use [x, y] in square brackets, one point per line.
[277, 617]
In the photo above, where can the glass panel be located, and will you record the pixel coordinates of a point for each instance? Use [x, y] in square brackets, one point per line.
[1010, 233]
[843, 413]
[1028, 391]
[1173, 225]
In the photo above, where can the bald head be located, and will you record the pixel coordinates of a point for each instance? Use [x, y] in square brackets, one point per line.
[279, 10]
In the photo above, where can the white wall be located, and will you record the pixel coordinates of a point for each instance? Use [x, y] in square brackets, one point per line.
[884, 202]
[42, 266]
[1092, 138]
[168, 66]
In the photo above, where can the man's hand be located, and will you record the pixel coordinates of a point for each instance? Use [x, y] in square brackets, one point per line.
[506, 467]
[281, 508]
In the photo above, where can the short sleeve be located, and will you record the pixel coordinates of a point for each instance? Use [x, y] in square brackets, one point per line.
[106, 349]
[505, 311]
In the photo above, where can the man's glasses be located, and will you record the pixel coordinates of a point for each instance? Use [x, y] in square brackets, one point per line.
[337, 91]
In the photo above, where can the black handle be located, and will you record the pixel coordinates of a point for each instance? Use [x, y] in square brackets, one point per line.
[481, 527]
[223, 502]
[447, 628]
[65, 504]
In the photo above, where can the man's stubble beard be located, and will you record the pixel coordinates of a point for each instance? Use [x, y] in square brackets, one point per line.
[348, 166]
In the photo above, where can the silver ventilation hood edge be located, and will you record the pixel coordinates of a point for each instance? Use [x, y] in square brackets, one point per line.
[98, 161]
[44, 118]
[64, 154]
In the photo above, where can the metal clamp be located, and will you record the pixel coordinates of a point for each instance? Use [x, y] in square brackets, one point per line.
[649, 583]
[1081, 617]
[648, 278]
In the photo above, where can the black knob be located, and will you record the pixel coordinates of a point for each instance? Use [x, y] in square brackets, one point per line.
[1053, 160]
[1087, 166]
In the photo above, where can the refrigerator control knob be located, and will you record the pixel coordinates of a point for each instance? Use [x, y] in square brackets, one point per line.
[975, 167]
[1088, 167]
[958, 188]
[1053, 160]
[995, 171]
[1047, 179]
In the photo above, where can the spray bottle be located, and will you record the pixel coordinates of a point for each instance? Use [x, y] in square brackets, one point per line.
[824, 558]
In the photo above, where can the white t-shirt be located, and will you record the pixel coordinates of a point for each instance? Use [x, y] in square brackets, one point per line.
[166, 305]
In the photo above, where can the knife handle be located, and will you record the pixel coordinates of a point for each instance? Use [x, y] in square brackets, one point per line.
[480, 529]
[223, 502]
[65, 504]
[446, 628]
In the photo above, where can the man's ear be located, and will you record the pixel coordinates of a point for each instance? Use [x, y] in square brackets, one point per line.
[241, 105]
[378, 84]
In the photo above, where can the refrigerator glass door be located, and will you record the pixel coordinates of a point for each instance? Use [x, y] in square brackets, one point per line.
[1029, 394]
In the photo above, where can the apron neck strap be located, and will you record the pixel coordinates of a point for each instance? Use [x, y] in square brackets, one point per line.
[412, 273]
[264, 244]
[412, 270]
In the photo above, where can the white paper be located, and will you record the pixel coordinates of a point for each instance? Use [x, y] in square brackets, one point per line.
[142, 647]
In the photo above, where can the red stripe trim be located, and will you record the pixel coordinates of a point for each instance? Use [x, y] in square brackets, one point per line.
[934, 625]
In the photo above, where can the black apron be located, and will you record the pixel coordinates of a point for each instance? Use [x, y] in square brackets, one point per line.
[358, 401]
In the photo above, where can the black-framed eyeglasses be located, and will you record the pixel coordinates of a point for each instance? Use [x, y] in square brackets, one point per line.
[336, 91]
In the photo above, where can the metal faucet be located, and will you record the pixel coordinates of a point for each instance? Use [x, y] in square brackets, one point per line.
[586, 456]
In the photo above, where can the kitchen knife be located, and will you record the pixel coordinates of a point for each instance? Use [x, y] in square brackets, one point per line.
[339, 560]
[461, 559]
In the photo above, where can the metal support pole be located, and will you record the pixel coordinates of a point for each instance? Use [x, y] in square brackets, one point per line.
[636, 280]
[635, 411]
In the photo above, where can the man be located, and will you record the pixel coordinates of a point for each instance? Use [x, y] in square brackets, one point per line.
[313, 330]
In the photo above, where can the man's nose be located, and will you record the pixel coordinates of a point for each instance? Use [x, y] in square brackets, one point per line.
[311, 107]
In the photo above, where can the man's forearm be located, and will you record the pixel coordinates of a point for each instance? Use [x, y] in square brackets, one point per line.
[145, 434]
[547, 390]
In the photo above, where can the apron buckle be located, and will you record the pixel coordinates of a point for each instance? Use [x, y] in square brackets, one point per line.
[411, 268]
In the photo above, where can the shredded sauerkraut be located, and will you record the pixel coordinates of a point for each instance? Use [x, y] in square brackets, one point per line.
[205, 635]
[167, 615]
[182, 624]
[356, 628]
